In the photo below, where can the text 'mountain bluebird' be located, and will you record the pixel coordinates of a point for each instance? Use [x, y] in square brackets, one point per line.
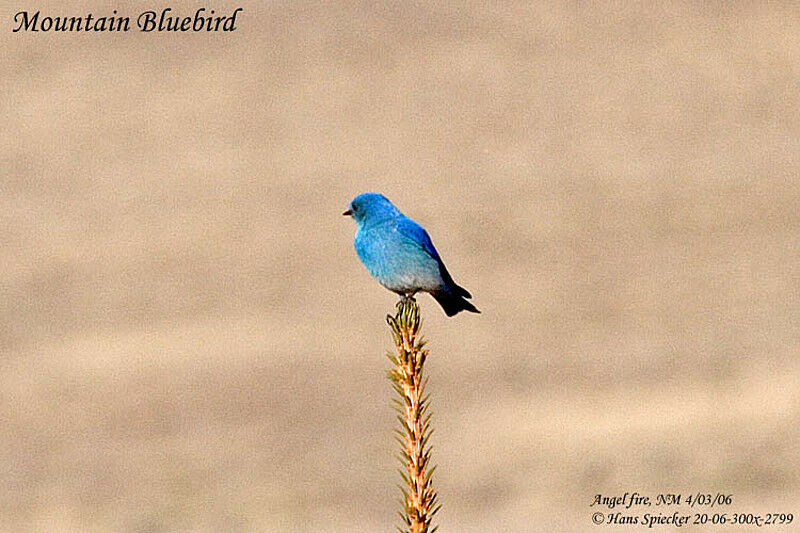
[399, 253]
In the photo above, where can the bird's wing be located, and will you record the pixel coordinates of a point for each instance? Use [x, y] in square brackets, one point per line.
[415, 234]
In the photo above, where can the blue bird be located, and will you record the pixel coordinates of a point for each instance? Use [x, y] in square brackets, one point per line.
[399, 253]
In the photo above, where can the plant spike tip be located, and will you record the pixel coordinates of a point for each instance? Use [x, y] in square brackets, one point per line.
[419, 498]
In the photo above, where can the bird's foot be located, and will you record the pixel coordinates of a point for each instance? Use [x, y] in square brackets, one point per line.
[405, 299]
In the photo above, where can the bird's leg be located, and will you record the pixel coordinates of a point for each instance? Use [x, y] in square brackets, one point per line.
[405, 297]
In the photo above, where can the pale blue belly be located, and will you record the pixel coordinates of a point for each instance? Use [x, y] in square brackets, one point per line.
[397, 264]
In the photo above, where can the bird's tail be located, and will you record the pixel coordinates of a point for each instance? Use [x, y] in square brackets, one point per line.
[453, 301]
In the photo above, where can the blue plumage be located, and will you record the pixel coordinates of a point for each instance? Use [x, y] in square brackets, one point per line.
[399, 253]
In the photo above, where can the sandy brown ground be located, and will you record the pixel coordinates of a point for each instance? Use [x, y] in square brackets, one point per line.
[188, 343]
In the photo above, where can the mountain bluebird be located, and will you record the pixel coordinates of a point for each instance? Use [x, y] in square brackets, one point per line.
[399, 253]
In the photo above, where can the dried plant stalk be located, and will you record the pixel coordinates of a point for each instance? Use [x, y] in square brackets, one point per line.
[419, 498]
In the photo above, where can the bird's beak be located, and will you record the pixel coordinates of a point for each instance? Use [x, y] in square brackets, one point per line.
[348, 213]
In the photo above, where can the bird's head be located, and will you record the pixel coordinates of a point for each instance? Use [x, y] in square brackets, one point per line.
[371, 206]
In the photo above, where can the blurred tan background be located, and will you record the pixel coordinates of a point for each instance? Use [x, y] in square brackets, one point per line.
[189, 343]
